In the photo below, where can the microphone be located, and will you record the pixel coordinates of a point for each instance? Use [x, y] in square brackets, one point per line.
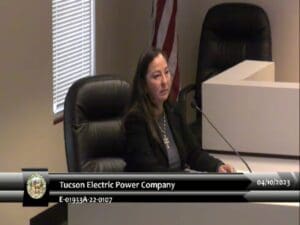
[195, 106]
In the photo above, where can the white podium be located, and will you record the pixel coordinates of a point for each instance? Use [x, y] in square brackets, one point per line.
[184, 213]
[255, 113]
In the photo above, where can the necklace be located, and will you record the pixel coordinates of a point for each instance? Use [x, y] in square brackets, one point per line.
[164, 132]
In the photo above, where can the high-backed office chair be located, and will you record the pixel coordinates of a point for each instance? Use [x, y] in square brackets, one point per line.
[231, 33]
[94, 140]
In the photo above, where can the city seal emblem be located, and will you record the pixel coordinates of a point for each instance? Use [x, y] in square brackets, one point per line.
[36, 186]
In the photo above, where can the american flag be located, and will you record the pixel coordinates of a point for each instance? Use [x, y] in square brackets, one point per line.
[165, 37]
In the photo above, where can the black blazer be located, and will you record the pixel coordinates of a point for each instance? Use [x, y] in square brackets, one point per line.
[143, 153]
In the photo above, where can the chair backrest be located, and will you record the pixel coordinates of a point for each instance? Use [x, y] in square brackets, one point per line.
[231, 33]
[93, 112]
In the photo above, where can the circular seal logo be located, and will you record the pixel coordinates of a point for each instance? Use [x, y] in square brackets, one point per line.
[36, 186]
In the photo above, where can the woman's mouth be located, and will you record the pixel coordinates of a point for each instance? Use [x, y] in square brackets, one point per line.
[164, 91]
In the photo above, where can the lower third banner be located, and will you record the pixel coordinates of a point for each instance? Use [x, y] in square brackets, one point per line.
[37, 187]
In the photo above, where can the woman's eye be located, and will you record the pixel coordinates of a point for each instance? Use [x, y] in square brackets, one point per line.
[156, 76]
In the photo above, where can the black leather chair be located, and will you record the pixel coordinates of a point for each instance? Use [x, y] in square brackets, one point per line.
[231, 33]
[94, 140]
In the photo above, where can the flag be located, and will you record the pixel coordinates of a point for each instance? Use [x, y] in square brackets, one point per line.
[165, 37]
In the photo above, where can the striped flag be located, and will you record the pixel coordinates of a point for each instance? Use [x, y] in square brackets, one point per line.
[165, 37]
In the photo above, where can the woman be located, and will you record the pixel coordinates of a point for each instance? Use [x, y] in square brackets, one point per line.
[157, 138]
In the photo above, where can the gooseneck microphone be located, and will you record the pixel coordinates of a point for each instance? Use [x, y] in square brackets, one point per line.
[195, 106]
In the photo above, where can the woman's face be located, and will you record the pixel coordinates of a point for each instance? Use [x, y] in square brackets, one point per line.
[158, 80]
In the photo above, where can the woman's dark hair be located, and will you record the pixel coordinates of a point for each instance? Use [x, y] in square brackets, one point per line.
[140, 101]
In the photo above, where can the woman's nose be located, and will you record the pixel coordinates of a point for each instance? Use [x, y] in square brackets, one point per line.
[164, 79]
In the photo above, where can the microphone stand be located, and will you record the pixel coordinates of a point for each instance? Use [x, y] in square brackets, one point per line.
[195, 106]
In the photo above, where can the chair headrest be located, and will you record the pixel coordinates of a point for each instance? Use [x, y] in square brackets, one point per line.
[99, 97]
[236, 19]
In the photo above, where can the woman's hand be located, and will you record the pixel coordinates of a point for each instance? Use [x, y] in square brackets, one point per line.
[226, 168]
